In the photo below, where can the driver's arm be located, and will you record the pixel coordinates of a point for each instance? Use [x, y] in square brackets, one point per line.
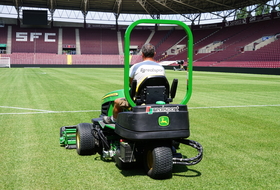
[130, 81]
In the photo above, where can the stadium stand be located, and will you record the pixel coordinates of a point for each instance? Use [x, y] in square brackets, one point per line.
[234, 39]
[138, 37]
[37, 59]
[98, 41]
[68, 39]
[3, 36]
[109, 42]
[3, 40]
[173, 36]
[96, 59]
[200, 37]
[91, 40]
[103, 59]
[230, 46]
[27, 40]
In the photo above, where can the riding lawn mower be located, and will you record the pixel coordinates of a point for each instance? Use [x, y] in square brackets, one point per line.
[148, 133]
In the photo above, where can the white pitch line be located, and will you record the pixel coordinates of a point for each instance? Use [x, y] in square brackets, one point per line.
[27, 113]
[80, 111]
[244, 106]
[19, 108]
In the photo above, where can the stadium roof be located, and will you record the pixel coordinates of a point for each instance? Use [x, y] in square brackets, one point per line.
[152, 7]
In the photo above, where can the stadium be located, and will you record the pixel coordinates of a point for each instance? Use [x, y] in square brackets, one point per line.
[57, 67]
[251, 42]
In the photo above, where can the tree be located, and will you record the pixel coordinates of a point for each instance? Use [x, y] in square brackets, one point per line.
[266, 9]
[262, 9]
[259, 10]
[242, 13]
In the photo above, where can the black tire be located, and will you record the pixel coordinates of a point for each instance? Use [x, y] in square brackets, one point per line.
[85, 139]
[62, 129]
[159, 162]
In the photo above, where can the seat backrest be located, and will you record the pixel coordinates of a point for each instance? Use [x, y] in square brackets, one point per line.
[151, 90]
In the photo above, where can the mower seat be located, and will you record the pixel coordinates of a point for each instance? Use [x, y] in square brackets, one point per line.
[152, 89]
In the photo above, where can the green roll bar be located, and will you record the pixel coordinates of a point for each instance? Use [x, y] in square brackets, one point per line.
[126, 55]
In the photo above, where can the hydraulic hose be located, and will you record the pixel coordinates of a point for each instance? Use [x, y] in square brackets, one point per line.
[193, 160]
[98, 134]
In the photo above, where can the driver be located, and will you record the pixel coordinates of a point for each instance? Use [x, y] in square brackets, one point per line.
[138, 72]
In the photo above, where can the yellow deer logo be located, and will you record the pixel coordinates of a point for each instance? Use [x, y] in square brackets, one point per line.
[163, 120]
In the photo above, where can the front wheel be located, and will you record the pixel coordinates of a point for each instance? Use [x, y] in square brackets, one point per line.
[159, 162]
[85, 139]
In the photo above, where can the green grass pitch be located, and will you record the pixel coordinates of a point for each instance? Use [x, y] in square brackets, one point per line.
[236, 117]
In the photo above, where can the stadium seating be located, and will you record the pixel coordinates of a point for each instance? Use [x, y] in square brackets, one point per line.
[175, 36]
[138, 37]
[100, 45]
[96, 59]
[90, 40]
[37, 58]
[234, 39]
[98, 41]
[30, 40]
[3, 36]
[68, 36]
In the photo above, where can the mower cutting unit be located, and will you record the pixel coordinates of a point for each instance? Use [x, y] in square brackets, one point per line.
[68, 136]
[150, 132]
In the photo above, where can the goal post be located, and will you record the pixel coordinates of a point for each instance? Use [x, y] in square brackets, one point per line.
[5, 62]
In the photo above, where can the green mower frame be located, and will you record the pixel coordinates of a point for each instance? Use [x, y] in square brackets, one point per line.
[151, 131]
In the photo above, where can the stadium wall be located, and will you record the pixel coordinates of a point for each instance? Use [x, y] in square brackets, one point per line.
[266, 71]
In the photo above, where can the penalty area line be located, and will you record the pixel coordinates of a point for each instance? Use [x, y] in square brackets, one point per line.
[29, 113]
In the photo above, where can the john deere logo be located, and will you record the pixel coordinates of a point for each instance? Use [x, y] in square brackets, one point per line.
[163, 121]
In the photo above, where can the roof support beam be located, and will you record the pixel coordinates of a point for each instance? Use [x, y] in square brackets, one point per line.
[117, 8]
[164, 3]
[117, 11]
[188, 5]
[229, 7]
[84, 6]
[195, 16]
[151, 10]
[18, 5]
[52, 7]
[84, 9]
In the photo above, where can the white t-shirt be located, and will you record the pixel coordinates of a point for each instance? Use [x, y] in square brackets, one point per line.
[144, 69]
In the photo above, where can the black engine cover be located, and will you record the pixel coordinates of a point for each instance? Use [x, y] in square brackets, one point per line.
[154, 121]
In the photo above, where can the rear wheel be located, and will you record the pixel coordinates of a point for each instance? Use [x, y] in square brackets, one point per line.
[159, 162]
[85, 139]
